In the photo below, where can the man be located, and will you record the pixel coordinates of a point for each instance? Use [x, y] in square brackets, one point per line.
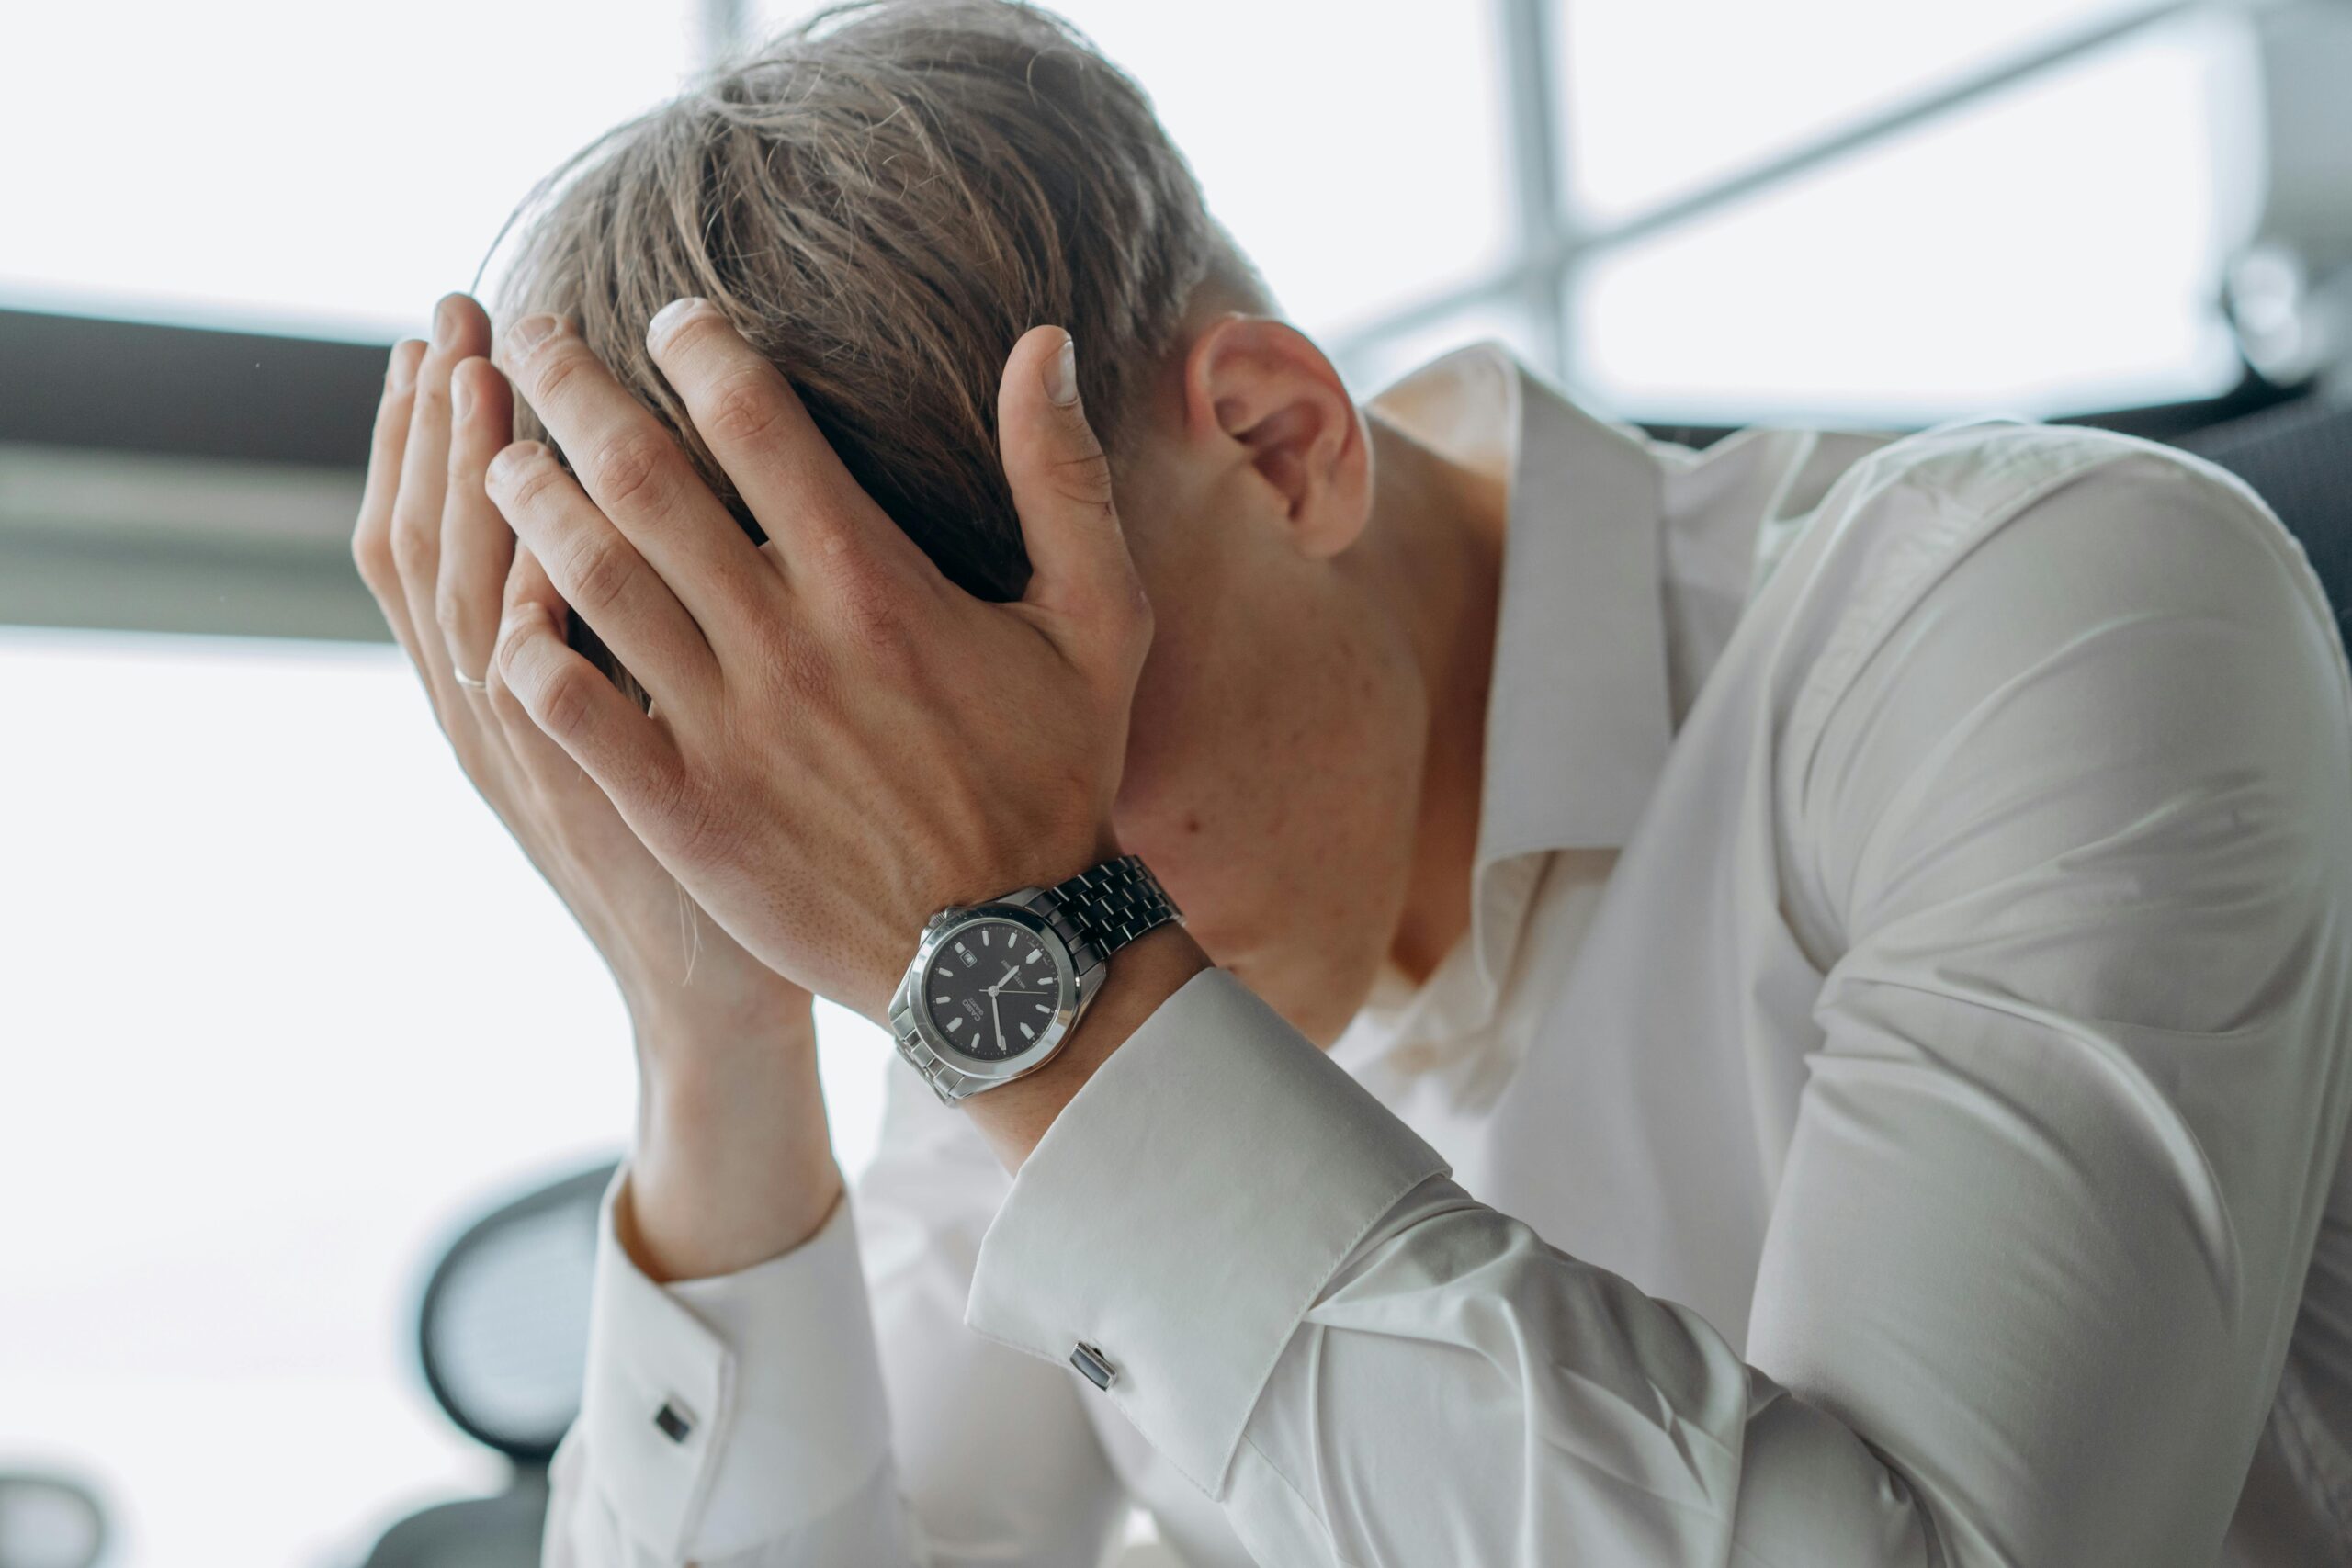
[1832, 951]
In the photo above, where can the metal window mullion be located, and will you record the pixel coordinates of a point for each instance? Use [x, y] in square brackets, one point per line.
[1546, 263]
[722, 27]
[1545, 227]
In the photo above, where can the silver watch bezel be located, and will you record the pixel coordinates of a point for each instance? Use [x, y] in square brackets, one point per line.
[911, 1013]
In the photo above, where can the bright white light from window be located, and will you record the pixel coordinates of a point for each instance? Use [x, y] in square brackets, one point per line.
[284, 1005]
[1660, 95]
[333, 169]
[1355, 148]
[2052, 249]
[293, 166]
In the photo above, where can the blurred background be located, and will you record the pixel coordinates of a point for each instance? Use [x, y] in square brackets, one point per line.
[282, 1010]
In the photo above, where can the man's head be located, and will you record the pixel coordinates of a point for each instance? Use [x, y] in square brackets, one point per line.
[883, 200]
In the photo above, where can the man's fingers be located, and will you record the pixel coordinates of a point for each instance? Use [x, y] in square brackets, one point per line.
[1080, 571]
[529, 589]
[786, 472]
[601, 575]
[371, 535]
[457, 333]
[477, 547]
[629, 755]
[640, 476]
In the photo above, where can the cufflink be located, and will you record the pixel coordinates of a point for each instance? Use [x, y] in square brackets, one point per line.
[1093, 1365]
[675, 1424]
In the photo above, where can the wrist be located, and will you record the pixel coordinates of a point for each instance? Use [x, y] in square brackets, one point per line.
[733, 1164]
[714, 1017]
[1143, 974]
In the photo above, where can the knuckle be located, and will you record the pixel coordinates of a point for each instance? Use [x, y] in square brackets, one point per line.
[415, 547]
[597, 571]
[1083, 481]
[432, 397]
[743, 409]
[371, 552]
[633, 467]
[504, 706]
[531, 486]
[451, 611]
[509, 662]
[552, 368]
[568, 702]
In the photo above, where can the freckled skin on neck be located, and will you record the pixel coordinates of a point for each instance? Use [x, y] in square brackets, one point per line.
[1305, 753]
[1449, 523]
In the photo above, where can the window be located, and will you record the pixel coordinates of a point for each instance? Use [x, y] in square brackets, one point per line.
[2053, 247]
[294, 167]
[284, 1005]
[1836, 211]
[1662, 97]
[1355, 150]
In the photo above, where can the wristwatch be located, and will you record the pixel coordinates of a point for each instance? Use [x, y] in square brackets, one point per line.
[996, 988]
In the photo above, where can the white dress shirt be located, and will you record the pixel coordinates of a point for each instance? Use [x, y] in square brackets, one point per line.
[1889, 1108]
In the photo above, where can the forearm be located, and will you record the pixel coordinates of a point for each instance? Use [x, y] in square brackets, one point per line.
[733, 1163]
[824, 1416]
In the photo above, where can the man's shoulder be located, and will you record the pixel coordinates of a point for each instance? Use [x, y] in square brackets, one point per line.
[1951, 486]
[1897, 535]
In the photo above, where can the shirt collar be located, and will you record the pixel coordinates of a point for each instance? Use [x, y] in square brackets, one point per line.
[1579, 720]
[1577, 714]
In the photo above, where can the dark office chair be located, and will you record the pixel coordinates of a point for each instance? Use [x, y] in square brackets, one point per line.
[49, 1520]
[502, 1334]
[2298, 457]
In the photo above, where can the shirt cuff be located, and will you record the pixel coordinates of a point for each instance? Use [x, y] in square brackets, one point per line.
[1185, 1210]
[724, 1412]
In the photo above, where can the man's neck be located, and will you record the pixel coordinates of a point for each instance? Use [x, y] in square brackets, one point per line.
[1442, 526]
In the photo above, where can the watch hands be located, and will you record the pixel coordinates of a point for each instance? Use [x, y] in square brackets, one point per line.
[997, 1017]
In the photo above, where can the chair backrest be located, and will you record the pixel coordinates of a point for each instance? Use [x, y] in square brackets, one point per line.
[503, 1331]
[2299, 458]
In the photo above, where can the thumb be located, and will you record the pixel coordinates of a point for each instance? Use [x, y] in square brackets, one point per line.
[1080, 571]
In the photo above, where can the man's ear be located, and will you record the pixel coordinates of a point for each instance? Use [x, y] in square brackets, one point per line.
[1263, 388]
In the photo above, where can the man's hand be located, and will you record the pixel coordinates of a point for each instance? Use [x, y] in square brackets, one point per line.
[733, 1164]
[843, 742]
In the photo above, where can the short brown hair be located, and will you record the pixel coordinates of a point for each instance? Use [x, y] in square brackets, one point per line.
[883, 200]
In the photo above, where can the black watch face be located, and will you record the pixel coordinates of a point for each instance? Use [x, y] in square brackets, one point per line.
[991, 989]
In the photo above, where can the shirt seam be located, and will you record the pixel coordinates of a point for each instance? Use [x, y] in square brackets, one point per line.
[1330, 1536]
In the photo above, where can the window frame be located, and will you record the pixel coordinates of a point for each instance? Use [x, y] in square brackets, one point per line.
[192, 480]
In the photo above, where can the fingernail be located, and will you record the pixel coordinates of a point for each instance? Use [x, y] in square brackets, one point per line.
[445, 323]
[1061, 377]
[461, 397]
[403, 369]
[670, 317]
[530, 332]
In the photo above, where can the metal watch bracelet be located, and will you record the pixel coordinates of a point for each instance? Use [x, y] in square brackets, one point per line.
[1094, 914]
